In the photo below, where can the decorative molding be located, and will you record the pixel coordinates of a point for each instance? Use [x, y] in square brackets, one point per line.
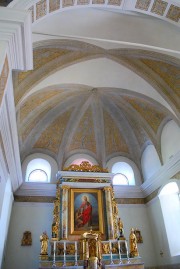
[151, 196]
[162, 176]
[143, 4]
[155, 8]
[15, 29]
[36, 199]
[159, 7]
[130, 200]
[4, 153]
[36, 189]
[176, 176]
[173, 13]
[3, 78]
[85, 167]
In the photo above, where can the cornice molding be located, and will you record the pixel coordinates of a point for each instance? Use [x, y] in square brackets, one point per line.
[15, 31]
[167, 171]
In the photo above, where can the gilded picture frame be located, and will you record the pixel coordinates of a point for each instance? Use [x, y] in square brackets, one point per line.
[138, 236]
[86, 211]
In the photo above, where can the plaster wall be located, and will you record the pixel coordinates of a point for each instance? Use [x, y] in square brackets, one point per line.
[96, 73]
[150, 162]
[33, 217]
[159, 234]
[37, 217]
[2, 187]
[170, 138]
[109, 29]
[135, 216]
[5, 218]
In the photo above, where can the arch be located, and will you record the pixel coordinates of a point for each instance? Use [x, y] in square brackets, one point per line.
[126, 167]
[150, 162]
[120, 179]
[40, 161]
[170, 138]
[78, 158]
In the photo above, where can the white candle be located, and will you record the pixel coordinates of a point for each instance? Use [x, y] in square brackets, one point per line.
[75, 245]
[54, 246]
[64, 245]
[110, 246]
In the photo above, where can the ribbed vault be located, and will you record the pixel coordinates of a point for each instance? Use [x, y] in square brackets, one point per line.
[64, 119]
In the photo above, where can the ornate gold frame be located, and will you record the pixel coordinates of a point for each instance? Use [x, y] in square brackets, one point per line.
[97, 192]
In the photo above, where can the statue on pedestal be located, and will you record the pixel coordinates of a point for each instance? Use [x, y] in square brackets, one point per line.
[133, 250]
[44, 243]
[121, 229]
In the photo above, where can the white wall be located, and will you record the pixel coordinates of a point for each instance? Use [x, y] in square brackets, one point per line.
[159, 234]
[135, 216]
[170, 140]
[150, 162]
[33, 217]
[5, 217]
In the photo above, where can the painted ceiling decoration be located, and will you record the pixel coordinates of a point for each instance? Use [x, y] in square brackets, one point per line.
[99, 99]
[168, 10]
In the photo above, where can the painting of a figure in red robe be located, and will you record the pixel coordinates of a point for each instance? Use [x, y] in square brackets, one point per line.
[86, 213]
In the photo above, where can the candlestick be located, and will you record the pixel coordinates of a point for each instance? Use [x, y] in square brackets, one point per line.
[119, 249]
[76, 254]
[64, 264]
[54, 246]
[54, 255]
[127, 252]
[110, 247]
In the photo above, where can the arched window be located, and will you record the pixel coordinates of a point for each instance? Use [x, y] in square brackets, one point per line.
[38, 175]
[120, 179]
[170, 205]
[38, 170]
[124, 174]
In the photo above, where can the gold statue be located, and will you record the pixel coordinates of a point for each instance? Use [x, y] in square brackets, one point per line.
[44, 243]
[121, 229]
[133, 250]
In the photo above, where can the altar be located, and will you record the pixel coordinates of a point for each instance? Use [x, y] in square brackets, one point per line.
[87, 231]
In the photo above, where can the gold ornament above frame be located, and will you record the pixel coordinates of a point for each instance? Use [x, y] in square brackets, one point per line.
[86, 211]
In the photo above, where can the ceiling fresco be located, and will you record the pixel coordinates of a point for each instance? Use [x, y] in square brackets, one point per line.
[103, 122]
[61, 119]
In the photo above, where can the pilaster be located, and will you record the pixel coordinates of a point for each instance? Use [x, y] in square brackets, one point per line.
[15, 54]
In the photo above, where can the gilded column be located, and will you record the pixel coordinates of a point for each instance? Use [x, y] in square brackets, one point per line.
[56, 215]
[115, 215]
[110, 224]
[65, 195]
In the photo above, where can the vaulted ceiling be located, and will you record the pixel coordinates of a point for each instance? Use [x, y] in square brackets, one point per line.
[85, 97]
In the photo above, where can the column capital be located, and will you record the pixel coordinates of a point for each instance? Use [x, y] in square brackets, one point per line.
[65, 187]
[107, 188]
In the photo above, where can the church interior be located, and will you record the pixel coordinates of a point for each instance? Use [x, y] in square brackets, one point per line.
[90, 134]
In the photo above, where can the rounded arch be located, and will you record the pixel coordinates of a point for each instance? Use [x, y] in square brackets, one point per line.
[170, 138]
[150, 162]
[127, 167]
[40, 161]
[78, 158]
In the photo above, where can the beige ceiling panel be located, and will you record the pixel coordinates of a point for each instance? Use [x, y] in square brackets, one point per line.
[51, 138]
[150, 113]
[84, 137]
[114, 141]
